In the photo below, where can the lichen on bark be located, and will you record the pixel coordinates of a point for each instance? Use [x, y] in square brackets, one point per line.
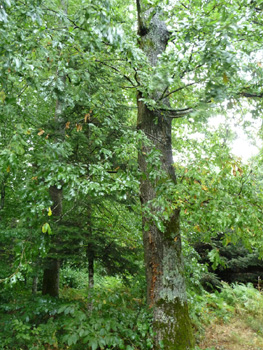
[166, 292]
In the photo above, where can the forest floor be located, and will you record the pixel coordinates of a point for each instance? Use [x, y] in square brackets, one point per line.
[237, 334]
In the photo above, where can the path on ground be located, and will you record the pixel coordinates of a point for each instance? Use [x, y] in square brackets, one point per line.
[235, 335]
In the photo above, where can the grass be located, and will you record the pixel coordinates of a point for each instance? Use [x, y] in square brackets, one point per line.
[232, 319]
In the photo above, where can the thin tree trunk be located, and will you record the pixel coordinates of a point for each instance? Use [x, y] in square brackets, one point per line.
[34, 284]
[91, 277]
[51, 278]
[166, 291]
[2, 202]
[91, 267]
[50, 284]
[90, 256]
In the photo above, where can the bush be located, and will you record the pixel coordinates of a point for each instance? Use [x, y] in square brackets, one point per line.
[113, 316]
[244, 300]
[74, 278]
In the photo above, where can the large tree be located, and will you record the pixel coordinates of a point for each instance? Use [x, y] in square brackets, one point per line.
[166, 291]
[86, 61]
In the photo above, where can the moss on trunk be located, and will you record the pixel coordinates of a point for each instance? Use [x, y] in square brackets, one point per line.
[172, 325]
[162, 248]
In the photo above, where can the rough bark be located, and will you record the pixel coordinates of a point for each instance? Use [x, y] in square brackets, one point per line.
[166, 291]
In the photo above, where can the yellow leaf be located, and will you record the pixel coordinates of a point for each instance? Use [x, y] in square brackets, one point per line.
[225, 78]
[79, 127]
[228, 241]
[67, 125]
[87, 117]
[240, 171]
[41, 132]
[197, 228]
[2, 96]
[8, 169]
[204, 188]
[49, 212]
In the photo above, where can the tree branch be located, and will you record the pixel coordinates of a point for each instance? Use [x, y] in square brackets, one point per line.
[118, 71]
[176, 90]
[248, 94]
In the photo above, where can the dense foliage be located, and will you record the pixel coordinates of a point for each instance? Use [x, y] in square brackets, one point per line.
[71, 73]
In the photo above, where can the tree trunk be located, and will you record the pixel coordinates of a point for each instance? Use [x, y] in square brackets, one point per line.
[166, 291]
[51, 278]
[2, 202]
[34, 284]
[90, 255]
[50, 284]
[91, 276]
[51, 273]
[91, 267]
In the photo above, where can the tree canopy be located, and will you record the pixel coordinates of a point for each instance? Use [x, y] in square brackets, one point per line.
[107, 144]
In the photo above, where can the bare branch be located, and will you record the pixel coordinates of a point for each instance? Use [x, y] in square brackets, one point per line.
[176, 90]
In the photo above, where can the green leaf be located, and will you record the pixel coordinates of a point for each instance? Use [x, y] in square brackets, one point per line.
[93, 343]
[46, 228]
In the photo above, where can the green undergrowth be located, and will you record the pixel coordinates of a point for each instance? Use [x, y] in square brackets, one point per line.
[114, 316]
[239, 300]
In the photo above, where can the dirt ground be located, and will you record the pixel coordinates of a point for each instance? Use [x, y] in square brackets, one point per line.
[235, 335]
